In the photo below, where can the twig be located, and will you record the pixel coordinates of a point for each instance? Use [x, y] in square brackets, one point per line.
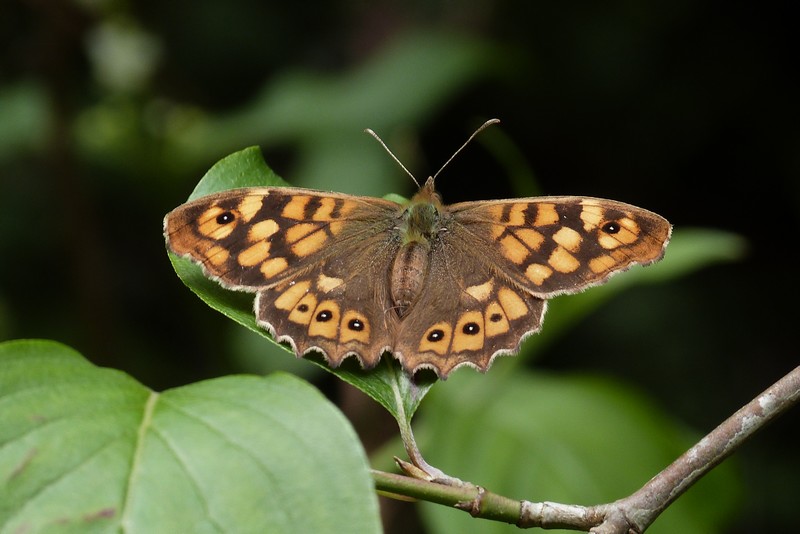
[642, 508]
[631, 515]
[473, 499]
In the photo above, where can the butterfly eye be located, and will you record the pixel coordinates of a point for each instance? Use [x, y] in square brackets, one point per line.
[611, 227]
[225, 217]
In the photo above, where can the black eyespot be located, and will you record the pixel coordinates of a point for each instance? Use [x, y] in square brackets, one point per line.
[356, 324]
[496, 317]
[302, 308]
[471, 329]
[436, 335]
[611, 227]
[324, 316]
[225, 217]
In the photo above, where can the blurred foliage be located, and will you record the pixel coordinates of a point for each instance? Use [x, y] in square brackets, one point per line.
[110, 111]
[576, 439]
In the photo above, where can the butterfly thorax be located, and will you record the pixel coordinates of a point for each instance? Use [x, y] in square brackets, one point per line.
[420, 222]
[421, 218]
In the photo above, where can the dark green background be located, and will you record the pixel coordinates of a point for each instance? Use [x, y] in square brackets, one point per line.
[689, 109]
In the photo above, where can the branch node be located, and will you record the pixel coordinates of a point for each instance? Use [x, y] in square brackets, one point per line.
[473, 506]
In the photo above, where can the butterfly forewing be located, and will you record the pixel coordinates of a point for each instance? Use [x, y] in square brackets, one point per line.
[249, 238]
[554, 245]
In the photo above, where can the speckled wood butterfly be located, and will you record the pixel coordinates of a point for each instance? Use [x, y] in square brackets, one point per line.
[437, 286]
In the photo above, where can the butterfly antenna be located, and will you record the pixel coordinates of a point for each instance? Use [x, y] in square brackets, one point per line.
[481, 128]
[386, 148]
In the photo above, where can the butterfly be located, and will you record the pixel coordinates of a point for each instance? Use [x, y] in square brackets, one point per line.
[437, 286]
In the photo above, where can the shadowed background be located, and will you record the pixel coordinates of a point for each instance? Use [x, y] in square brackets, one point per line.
[110, 113]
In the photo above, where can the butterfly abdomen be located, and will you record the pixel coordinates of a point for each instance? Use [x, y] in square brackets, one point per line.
[408, 275]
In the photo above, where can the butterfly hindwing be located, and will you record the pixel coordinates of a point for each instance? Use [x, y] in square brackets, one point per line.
[472, 313]
[340, 307]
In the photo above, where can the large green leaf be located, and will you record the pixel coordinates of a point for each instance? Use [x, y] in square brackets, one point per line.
[86, 449]
[574, 440]
[387, 384]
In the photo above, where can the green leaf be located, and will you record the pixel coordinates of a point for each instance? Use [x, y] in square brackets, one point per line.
[387, 383]
[245, 168]
[575, 440]
[86, 449]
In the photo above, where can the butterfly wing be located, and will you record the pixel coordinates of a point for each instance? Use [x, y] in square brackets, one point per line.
[317, 262]
[255, 237]
[556, 245]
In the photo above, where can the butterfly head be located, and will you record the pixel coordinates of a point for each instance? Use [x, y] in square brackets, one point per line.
[428, 192]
